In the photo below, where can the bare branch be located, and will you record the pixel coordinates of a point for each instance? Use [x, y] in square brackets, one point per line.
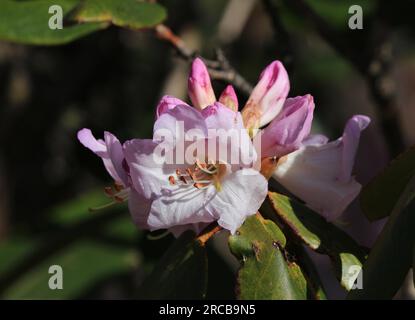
[208, 232]
[219, 69]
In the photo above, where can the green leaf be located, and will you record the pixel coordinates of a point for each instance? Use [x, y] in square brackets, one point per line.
[379, 197]
[180, 274]
[14, 249]
[292, 215]
[126, 13]
[28, 22]
[313, 230]
[391, 257]
[266, 272]
[83, 265]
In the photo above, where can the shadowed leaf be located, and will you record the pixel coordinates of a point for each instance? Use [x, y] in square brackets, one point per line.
[180, 274]
[379, 197]
[391, 257]
[316, 288]
[314, 231]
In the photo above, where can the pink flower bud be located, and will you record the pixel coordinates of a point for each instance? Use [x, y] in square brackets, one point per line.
[289, 128]
[268, 96]
[200, 89]
[229, 99]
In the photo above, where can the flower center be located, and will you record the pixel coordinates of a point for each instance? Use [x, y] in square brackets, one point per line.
[200, 175]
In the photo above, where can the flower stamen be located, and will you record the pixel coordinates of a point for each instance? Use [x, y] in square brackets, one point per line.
[200, 175]
[118, 193]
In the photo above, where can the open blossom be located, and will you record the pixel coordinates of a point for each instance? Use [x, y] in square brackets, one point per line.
[320, 172]
[172, 185]
[203, 189]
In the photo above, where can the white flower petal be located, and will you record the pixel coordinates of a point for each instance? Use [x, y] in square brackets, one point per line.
[139, 208]
[241, 195]
[311, 173]
[180, 206]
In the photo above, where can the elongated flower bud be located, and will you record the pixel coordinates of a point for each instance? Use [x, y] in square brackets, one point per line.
[286, 132]
[267, 98]
[200, 89]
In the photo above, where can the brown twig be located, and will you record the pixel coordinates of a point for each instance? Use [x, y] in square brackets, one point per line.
[209, 232]
[219, 69]
[166, 34]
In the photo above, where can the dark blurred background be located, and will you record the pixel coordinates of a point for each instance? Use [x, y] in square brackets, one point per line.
[112, 80]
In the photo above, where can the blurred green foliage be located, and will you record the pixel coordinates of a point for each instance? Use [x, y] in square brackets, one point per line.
[83, 265]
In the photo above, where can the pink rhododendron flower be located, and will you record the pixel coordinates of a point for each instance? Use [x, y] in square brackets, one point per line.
[174, 191]
[202, 190]
[320, 172]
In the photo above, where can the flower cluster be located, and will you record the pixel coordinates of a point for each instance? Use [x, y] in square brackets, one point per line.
[193, 172]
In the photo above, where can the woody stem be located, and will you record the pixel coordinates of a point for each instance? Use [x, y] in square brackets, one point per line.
[208, 232]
